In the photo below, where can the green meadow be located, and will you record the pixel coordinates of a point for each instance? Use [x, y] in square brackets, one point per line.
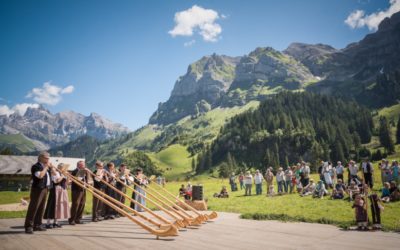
[289, 207]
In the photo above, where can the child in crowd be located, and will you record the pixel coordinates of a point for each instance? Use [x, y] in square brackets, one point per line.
[385, 192]
[360, 212]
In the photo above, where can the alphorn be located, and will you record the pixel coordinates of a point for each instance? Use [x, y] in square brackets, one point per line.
[211, 216]
[177, 222]
[170, 230]
[188, 220]
[198, 219]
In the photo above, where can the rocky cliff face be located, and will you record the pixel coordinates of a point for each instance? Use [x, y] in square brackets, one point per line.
[39, 125]
[198, 90]
[368, 71]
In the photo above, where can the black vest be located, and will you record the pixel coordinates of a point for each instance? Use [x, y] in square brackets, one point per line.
[36, 182]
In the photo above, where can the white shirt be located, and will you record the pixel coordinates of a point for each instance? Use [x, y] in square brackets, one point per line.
[248, 179]
[280, 176]
[258, 178]
[353, 169]
[339, 169]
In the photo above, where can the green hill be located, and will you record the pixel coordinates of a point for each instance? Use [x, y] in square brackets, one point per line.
[17, 143]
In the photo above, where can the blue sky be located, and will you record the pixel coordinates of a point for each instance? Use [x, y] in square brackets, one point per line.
[121, 58]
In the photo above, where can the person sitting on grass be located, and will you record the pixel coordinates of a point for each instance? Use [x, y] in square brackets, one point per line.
[338, 191]
[223, 194]
[183, 192]
[353, 190]
[386, 192]
[309, 189]
[394, 191]
[320, 190]
[360, 212]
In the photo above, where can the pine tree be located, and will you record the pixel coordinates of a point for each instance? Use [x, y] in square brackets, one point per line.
[193, 164]
[384, 136]
[398, 131]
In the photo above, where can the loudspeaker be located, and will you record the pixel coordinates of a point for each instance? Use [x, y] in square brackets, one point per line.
[197, 193]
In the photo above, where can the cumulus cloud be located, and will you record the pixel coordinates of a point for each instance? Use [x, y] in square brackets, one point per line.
[197, 19]
[358, 18]
[190, 43]
[18, 108]
[49, 94]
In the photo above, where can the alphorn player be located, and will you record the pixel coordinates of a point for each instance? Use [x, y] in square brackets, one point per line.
[141, 181]
[78, 194]
[125, 178]
[110, 213]
[40, 174]
[97, 206]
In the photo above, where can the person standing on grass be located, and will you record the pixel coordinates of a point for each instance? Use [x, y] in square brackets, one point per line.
[288, 180]
[40, 182]
[385, 169]
[368, 172]
[339, 170]
[353, 170]
[269, 179]
[258, 179]
[241, 178]
[395, 172]
[280, 180]
[248, 183]
[305, 172]
[232, 182]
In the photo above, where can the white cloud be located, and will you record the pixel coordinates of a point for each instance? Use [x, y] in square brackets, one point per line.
[18, 108]
[358, 19]
[197, 19]
[49, 94]
[190, 43]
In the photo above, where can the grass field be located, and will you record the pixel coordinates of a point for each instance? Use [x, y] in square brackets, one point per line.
[290, 207]
[175, 161]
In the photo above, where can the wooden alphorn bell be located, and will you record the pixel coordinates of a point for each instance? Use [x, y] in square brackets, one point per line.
[185, 220]
[206, 217]
[170, 230]
[195, 221]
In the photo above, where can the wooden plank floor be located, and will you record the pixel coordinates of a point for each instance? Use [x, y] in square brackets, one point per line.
[226, 232]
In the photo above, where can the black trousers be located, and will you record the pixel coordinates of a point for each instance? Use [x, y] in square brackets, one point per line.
[78, 204]
[118, 196]
[97, 206]
[36, 207]
[368, 179]
[376, 214]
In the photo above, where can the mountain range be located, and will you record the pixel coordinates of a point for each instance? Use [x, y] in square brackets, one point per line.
[219, 87]
[43, 130]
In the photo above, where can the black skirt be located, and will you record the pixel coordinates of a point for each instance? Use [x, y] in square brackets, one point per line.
[51, 205]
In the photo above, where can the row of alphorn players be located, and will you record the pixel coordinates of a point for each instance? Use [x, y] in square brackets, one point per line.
[111, 175]
[47, 180]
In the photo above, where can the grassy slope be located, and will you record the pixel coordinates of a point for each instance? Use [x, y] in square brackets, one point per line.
[18, 141]
[176, 159]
